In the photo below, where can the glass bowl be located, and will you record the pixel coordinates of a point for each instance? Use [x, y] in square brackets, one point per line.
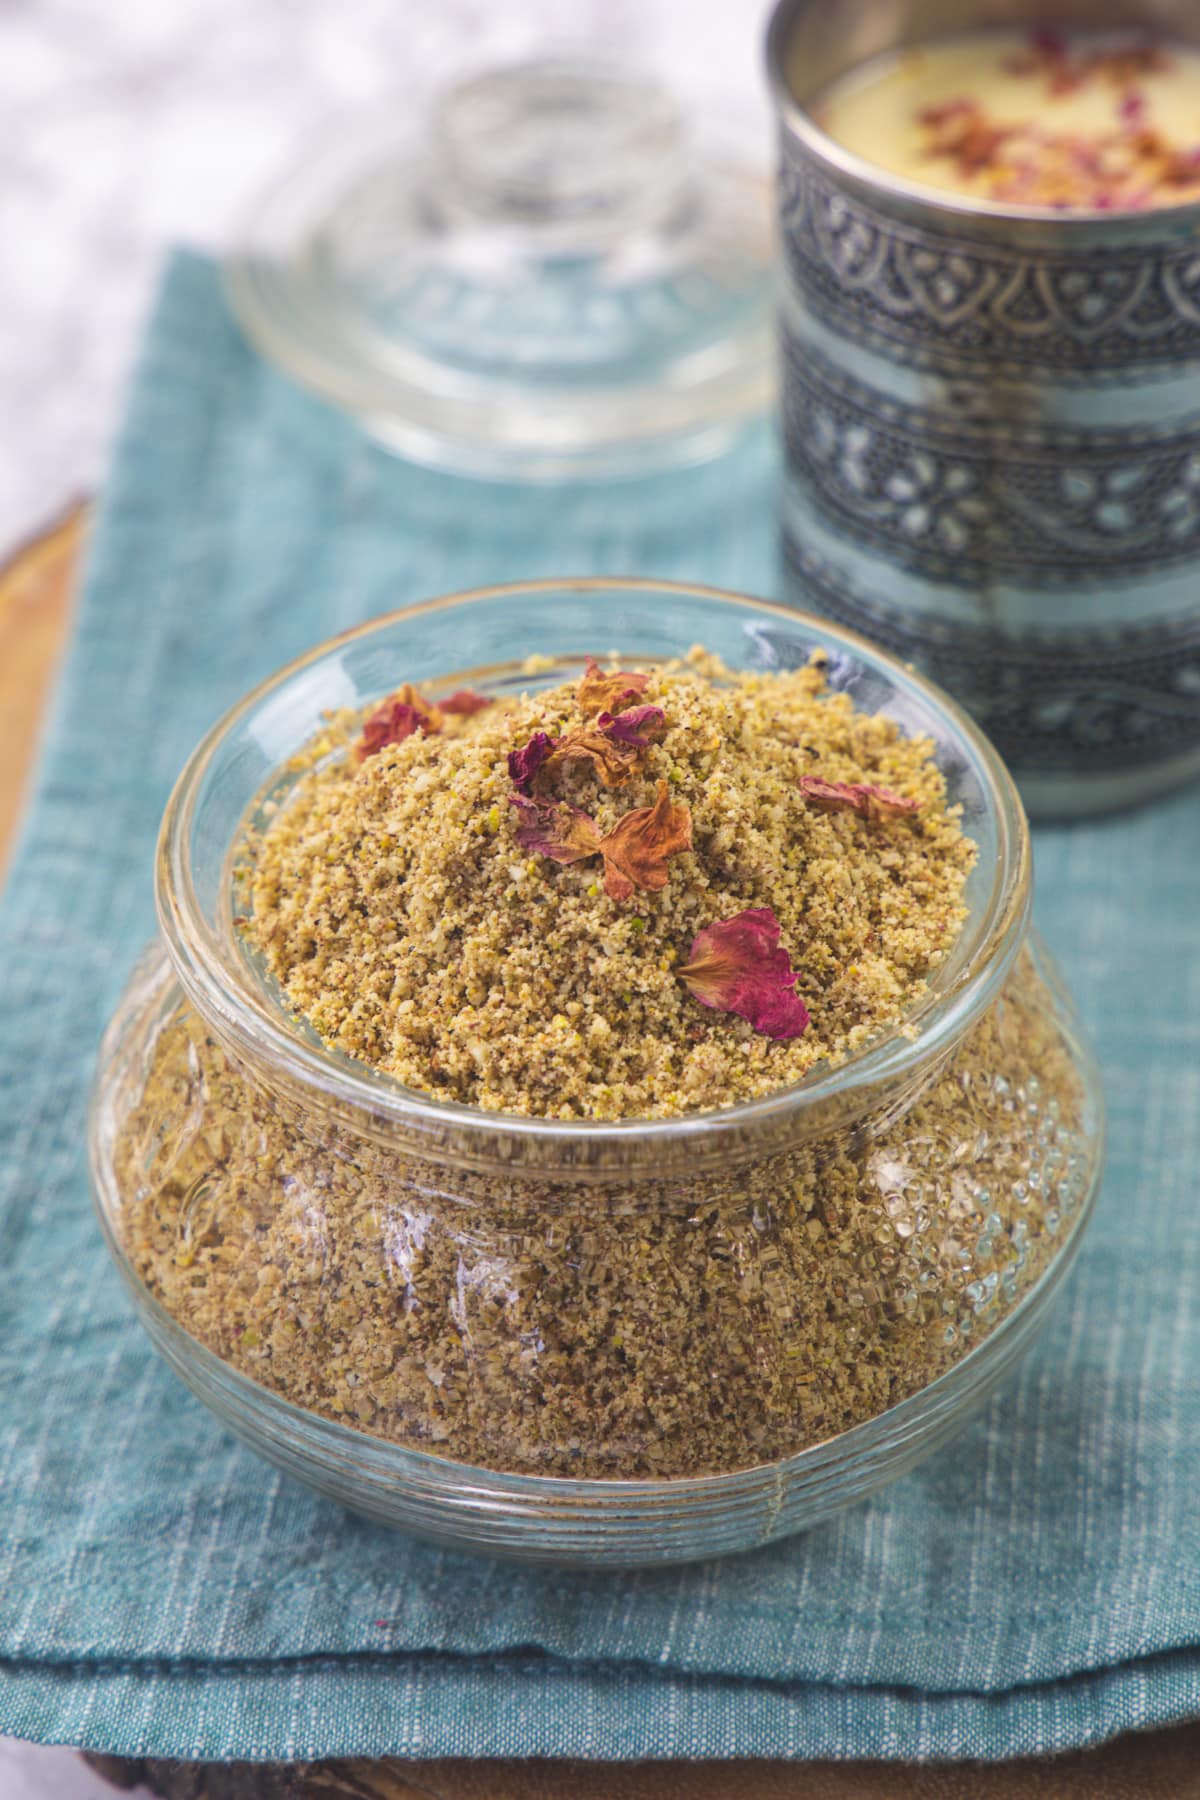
[630, 1342]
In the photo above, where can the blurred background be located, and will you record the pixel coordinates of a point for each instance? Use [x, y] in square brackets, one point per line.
[132, 124]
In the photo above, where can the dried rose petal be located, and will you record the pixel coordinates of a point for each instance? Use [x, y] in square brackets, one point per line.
[1047, 41]
[946, 110]
[613, 744]
[600, 691]
[862, 797]
[737, 966]
[1133, 107]
[883, 803]
[552, 828]
[404, 713]
[464, 702]
[1132, 167]
[831, 796]
[640, 725]
[613, 762]
[390, 725]
[635, 851]
[523, 764]
[959, 129]
[1181, 166]
[1066, 77]
[1125, 63]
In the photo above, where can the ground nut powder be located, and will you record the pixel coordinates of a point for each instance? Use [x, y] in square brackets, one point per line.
[697, 1324]
[392, 899]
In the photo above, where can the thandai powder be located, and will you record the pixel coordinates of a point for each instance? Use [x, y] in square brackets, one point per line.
[644, 894]
[415, 903]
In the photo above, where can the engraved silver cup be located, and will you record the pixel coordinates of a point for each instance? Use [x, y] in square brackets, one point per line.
[992, 426]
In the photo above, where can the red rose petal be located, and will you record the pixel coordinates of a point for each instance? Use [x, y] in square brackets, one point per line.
[830, 796]
[464, 702]
[398, 718]
[737, 966]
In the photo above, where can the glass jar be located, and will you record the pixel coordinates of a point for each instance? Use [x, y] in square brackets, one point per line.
[561, 277]
[627, 1342]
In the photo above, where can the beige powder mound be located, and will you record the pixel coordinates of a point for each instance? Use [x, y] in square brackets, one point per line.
[660, 1328]
[393, 903]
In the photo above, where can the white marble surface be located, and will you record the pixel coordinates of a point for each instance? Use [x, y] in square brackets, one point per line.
[128, 124]
[32, 1772]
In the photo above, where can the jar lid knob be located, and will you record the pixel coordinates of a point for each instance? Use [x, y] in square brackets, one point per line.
[576, 152]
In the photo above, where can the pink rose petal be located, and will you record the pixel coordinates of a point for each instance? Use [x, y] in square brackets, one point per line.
[554, 829]
[862, 797]
[523, 764]
[737, 966]
[640, 725]
[1133, 108]
[464, 702]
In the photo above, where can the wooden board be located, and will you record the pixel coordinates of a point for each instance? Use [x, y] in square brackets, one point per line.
[35, 608]
[1162, 1765]
[36, 587]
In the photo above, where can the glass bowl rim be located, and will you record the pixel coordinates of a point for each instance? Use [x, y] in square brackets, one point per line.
[222, 989]
[1151, 225]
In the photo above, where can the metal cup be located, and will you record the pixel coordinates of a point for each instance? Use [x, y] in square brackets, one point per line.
[992, 426]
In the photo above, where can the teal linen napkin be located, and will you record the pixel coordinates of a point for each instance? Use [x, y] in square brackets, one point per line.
[1035, 1587]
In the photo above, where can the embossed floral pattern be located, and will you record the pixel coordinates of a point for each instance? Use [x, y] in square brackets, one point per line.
[936, 499]
[1104, 499]
[917, 495]
[936, 299]
[1180, 508]
[955, 496]
[1115, 698]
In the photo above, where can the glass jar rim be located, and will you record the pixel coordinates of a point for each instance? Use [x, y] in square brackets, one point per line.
[1080, 222]
[221, 985]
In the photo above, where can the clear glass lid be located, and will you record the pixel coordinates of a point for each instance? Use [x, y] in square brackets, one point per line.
[561, 277]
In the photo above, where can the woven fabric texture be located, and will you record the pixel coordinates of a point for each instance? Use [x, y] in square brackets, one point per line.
[1036, 1587]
